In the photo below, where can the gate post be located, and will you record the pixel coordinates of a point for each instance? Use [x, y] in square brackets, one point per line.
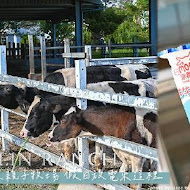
[83, 146]
[80, 72]
[4, 114]
[67, 50]
[88, 51]
[83, 152]
[31, 54]
[43, 57]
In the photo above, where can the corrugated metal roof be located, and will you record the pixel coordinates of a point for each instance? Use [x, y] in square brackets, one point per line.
[43, 9]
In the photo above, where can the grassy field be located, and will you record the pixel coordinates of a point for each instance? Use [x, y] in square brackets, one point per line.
[116, 53]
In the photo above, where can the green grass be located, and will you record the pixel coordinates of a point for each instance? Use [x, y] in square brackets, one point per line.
[117, 53]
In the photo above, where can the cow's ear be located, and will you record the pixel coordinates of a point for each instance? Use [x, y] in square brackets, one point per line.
[70, 119]
[8, 89]
[56, 108]
[24, 105]
[47, 106]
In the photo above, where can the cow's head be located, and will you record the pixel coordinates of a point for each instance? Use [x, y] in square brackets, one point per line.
[8, 94]
[11, 97]
[42, 115]
[143, 74]
[6, 90]
[40, 118]
[68, 128]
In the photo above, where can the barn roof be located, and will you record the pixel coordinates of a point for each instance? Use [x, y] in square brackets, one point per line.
[43, 9]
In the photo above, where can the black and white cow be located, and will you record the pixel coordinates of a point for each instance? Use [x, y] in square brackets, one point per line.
[101, 73]
[13, 96]
[141, 87]
[45, 111]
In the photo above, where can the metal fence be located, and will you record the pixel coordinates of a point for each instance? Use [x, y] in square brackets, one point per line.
[81, 95]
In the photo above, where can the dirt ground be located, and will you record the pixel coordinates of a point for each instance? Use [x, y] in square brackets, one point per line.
[15, 125]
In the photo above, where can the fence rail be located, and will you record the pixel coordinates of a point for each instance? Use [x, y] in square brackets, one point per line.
[120, 99]
[22, 51]
[126, 60]
[127, 146]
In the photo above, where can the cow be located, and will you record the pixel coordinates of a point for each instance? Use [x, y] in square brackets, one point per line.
[101, 73]
[54, 107]
[129, 123]
[13, 96]
[141, 87]
[116, 121]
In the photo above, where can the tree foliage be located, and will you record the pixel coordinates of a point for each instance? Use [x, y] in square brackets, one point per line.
[135, 25]
[103, 23]
[121, 24]
[63, 29]
[124, 22]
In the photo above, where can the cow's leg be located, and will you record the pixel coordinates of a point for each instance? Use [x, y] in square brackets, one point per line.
[98, 156]
[153, 166]
[137, 166]
[68, 148]
[123, 167]
[125, 158]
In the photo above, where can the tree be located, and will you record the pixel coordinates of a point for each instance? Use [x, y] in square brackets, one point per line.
[135, 25]
[122, 24]
[87, 35]
[63, 29]
[103, 23]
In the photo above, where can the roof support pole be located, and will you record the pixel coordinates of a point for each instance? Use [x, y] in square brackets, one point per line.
[54, 38]
[153, 26]
[78, 24]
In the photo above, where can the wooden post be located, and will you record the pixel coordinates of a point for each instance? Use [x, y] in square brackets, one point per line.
[43, 57]
[4, 114]
[31, 54]
[80, 74]
[67, 50]
[88, 52]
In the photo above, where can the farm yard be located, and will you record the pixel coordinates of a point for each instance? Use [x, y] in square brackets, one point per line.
[43, 142]
[69, 97]
[16, 124]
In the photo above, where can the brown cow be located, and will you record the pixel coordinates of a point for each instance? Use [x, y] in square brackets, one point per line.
[117, 121]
